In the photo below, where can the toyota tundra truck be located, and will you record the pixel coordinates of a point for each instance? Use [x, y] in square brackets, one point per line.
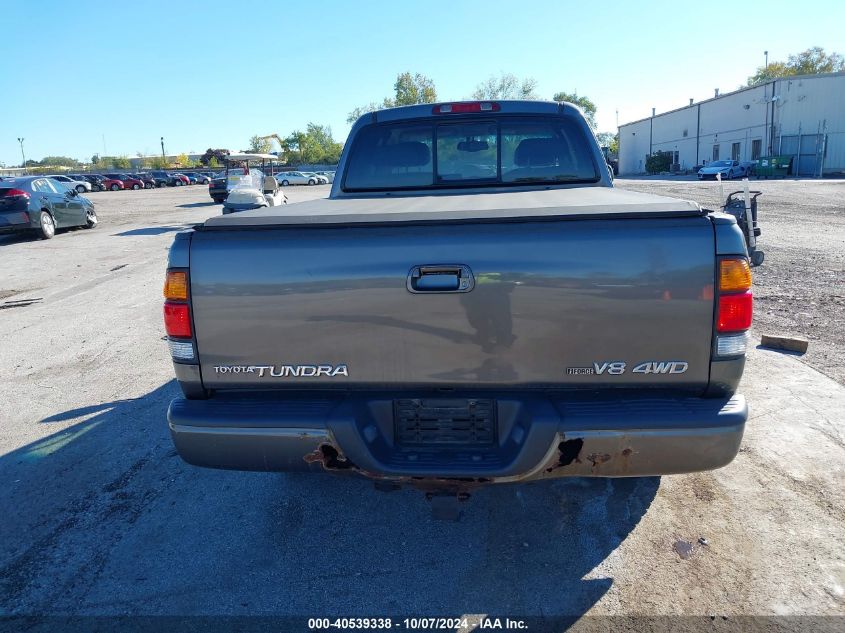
[474, 303]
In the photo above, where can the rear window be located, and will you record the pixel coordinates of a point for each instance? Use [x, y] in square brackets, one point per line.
[435, 154]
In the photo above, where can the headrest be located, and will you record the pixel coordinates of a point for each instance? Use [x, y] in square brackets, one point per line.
[407, 154]
[538, 152]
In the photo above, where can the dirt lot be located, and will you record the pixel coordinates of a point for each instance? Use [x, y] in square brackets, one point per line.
[101, 517]
[800, 289]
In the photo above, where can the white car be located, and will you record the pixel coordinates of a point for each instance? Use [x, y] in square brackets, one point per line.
[81, 186]
[727, 169]
[296, 178]
[329, 175]
[321, 180]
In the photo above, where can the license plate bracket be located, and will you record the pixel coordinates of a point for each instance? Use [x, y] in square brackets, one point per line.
[445, 422]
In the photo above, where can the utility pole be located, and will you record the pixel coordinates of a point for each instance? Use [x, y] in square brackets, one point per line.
[23, 156]
[766, 53]
[163, 157]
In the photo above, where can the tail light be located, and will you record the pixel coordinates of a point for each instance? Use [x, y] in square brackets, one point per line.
[465, 107]
[14, 192]
[177, 316]
[735, 307]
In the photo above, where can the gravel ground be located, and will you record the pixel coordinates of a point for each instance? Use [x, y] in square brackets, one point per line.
[800, 288]
[101, 517]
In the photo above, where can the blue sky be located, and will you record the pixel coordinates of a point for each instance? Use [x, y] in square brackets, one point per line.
[214, 73]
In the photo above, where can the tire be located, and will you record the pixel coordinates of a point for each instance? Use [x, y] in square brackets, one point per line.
[311, 182]
[147, 185]
[80, 189]
[285, 183]
[179, 183]
[136, 186]
[48, 227]
[115, 187]
[91, 220]
[757, 258]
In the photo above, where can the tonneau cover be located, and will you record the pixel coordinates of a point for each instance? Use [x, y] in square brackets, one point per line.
[580, 202]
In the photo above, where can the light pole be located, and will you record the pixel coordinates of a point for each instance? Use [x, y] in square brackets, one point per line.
[163, 157]
[23, 156]
[766, 54]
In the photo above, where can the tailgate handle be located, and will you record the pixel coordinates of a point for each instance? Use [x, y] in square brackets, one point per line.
[440, 278]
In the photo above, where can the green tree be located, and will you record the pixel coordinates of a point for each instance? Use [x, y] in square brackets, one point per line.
[506, 86]
[95, 159]
[260, 145]
[295, 145]
[658, 162]
[182, 160]
[408, 89]
[158, 162]
[58, 161]
[314, 146]
[812, 61]
[609, 140]
[413, 89]
[586, 105]
[218, 154]
[213, 162]
[121, 162]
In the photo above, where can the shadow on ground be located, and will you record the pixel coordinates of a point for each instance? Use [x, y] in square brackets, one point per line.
[116, 523]
[194, 205]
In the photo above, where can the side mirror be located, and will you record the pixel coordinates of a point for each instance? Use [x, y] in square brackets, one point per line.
[72, 193]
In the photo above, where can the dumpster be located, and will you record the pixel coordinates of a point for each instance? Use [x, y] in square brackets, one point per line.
[772, 166]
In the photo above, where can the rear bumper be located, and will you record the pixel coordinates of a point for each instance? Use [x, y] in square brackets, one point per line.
[14, 221]
[539, 436]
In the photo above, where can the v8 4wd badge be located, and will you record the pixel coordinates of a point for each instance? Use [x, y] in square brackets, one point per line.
[617, 368]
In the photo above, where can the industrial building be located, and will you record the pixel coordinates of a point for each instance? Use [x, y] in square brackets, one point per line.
[801, 116]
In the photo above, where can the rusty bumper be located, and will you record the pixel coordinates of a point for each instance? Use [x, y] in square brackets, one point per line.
[545, 437]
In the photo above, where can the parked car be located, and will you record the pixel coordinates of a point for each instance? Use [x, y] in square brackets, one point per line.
[218, 188]
[147, 179]
[81, 186]
[159, 181]
[94, 179]
[328, 175]
[321, 180]
[129, 182]
[112, 184]
[729, 169]
[181, 179]
[496, 313]
[286, 178]
[201, 179]
[41, 205]
[166, 179]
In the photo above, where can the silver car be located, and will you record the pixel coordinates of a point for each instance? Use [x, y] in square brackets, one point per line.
[81, 186]
[296, 178]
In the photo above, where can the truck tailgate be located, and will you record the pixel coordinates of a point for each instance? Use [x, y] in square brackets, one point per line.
[561, 304]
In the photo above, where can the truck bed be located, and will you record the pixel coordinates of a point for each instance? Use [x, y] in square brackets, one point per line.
[548, 204]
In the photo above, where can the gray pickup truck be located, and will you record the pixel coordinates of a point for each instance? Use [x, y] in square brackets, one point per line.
[474, 303]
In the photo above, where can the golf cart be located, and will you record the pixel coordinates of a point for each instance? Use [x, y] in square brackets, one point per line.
[251, 187]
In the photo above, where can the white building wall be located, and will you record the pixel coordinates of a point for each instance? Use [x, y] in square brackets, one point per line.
[732, 122]
[633, 147]
[675, 132]
[739, 117]
[813, 105]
